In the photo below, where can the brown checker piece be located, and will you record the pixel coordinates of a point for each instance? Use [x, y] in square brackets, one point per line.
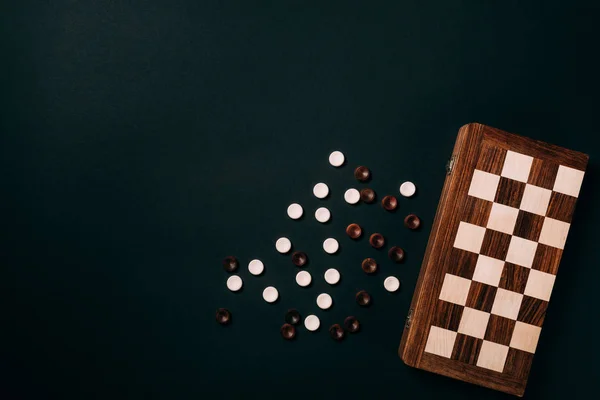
[495, 244]
[491, 159]
[510, 192]
[461, 263]
[532, 311]
[514, 278]
[499, 329]
[528, 225]
[561, 207]
[481, 296]
[542, 173]
[546, 259]
[447, 315]
[476, 211]
[518, 363]
[466, 349]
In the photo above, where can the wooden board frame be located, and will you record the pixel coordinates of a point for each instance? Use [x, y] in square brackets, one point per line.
[472, 139]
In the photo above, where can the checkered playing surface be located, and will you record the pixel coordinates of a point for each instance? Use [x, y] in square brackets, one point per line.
[504, 261]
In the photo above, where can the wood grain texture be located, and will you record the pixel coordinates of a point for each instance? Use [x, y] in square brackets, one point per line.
[484, 148]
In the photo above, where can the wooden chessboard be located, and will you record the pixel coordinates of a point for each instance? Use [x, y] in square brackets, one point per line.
[492, 258]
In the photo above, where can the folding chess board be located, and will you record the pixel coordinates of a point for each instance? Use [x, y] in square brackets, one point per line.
[492, 258]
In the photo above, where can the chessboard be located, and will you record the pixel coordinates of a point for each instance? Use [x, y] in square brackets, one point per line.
[492, 259]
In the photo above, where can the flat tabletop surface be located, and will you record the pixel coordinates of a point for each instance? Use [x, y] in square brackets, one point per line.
[142, 142]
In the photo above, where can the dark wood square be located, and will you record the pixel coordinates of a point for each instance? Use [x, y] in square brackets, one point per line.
[561, 207]
[532, 311]
[476, 211]
[528, 225]
[499, 329]
[481, 296]
[518, 363]
[461, 263]
[491, 159]
[546, 259]
[495, 244]
[447, 315]
[514, 278]
[542, 173]
[510, 192]
[466, 349]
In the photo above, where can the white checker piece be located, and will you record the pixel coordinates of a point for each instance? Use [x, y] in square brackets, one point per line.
[283, 245]
[332, 276]
[324, 301]
[270, 294]
[320, 190]
[312, 323]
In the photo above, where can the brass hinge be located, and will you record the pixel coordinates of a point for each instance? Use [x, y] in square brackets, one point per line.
[408, 319]
[450, 165]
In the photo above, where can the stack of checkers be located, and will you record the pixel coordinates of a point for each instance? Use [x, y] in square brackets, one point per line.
[330, 245]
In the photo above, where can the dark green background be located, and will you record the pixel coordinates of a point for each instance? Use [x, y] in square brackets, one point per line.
[143, 141]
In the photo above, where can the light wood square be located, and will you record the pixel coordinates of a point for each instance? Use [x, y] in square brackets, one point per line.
[492, 356]
[473, 322]
[503, 218]
[440, 342]
[517, 166]
[488, 270]
[469, 237]
[535, 199]
[554, 233]
[525, 337]
[521, 251]
[507, 303]
[455, 289]
[568, 181]
[539, 285]
[484, 185]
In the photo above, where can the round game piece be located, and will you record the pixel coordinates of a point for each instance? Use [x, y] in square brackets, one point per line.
[363, 298]
[377, 240]
[322, 215]
[256, 267]
[288, 331]
[369, 266]
[336, 332]
[234, 283]
[324, 301]
[337, 159]
[367, 195]
[354, 231]
[331, 245]
[351, 324]
[283, 245]
[362, 174]
[320, 190]
[352, 196]
[292, 316]
[389, 203]
[332, 276]
[312, 323]
[303, 278]
[295, 211]
[412, 221]
[299, 258]
[396, 254]
[407, 189]
[391, 284]
[230, 263]
[270, 294]
[223, 316]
